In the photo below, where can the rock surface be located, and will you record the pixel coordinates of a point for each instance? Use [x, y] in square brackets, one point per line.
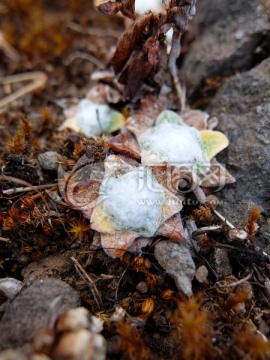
[230, 36]
[245, 103]
[34, 308]
[176, 260]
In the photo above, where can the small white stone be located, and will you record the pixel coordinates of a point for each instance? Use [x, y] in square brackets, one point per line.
[201, 274]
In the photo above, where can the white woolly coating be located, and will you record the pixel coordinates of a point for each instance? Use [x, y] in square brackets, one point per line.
[143, 5]
[133, 201]
[93, 119]
[173, 144]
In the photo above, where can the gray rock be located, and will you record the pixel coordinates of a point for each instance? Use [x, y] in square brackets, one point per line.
[222, 263]
[230, 36]
[10, 287]
[245, 101]
[49, 160]
[36, 307]
[175, 258]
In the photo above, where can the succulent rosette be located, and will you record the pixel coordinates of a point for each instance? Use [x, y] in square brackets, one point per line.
[130, 201]
[132, 206]
[187, 144]
[92, 115]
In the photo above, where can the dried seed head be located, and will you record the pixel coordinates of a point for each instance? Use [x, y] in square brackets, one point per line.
[148, 307]
[167, 294]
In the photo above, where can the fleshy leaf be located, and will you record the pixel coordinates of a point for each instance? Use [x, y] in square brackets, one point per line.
[133, 201]
[168, 116]
[196, 118]
[172, 228]
[93, 119]
[217, 176]
[115, 245]
[213, 142]
[117, 120]
[100, 221]
[139, 123]
[171, 205]
[117, 165]
[126, 144]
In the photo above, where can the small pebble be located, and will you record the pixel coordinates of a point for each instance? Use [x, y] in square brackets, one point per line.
[142, 287]
[201, 274]
[49, 160]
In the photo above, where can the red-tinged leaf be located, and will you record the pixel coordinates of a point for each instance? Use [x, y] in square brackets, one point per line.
[139, 123]
[151, 106]
[172, 229]
[115, 245]
[125, 144]
[83, 195]
[196, 118]
[128, 41]
[152, 47]
[110, 8]
[217, 176]
[128, 8]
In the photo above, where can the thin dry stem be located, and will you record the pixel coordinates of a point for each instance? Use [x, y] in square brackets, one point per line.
[25, 183]
[222, 218]
[87, 278]
[38, 80]
[27, 188]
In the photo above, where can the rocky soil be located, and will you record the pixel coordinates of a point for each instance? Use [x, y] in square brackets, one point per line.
[132, 308]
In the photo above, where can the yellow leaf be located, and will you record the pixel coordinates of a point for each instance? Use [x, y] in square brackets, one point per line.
[213, 142]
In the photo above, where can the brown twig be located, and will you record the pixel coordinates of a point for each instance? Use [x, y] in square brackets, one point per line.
[25, 183]
[233, 284]
[80, 270]
[84, 56]
[27, 188]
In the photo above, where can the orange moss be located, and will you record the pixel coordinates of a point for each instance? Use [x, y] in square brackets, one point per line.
[251, 224]
[252, 344]
[203, 214]
[193, 331]
[240, 296]
[21, 142]
[132, 344]
[79, 228]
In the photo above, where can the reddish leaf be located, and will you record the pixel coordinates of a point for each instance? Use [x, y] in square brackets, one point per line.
[172, 229]
[109, 8]
[125, 144]
[152, 47]
[128, 8]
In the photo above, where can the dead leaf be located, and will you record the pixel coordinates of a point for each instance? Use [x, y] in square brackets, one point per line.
[128, 41]
[126, 144]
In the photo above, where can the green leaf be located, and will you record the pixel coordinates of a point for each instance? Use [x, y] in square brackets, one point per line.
[168, 116]
[117, 120]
